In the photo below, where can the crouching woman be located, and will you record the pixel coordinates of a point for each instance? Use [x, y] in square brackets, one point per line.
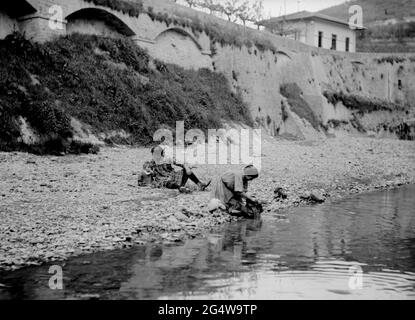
[231, 190]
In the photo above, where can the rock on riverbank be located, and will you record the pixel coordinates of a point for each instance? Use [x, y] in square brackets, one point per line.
[55, 207]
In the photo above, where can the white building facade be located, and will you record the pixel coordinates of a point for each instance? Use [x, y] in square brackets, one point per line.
[315, 30]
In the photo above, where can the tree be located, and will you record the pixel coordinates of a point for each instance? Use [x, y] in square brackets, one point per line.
[258, 12]
[231, 9]
[211, 5]
[245, 12]
[191, 3]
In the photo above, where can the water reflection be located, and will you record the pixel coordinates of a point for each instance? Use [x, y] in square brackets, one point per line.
[304, 253]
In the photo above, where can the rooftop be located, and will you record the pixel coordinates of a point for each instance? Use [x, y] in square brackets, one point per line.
[302, 15]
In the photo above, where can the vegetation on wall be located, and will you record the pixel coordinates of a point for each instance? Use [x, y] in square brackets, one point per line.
[22, 96]
[298, 105]
[404, 131]
[362, 104]
[236, 36]
[133, 9]
[390, 59]
[109, 84]
[335, 123]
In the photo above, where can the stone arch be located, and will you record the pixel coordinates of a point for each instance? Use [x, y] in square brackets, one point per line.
[7, 24]
[177, 46]
[17, 8]
[282, 59]
[10, 12]
[97, 21]
[182, 32]
[283, 54]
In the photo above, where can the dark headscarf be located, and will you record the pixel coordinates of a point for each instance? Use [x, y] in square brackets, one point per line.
[251, 171]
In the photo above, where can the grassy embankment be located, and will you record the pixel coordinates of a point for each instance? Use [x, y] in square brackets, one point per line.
[361, 105]
[219, 33]
[298, 105]
[108, 84]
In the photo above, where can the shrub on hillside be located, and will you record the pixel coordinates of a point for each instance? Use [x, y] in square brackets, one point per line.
[298, 105]
[9, 129]
[127, 7]
[390, 59]
[44, 115]
[335, 123]
[100, 82]
[360, 103]
[20, 97]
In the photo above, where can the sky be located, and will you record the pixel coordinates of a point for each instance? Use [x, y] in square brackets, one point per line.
[276, 7]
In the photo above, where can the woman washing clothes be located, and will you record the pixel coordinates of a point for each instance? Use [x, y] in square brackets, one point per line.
[231, 190]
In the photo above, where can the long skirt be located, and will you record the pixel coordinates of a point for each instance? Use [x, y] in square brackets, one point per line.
[172, 181]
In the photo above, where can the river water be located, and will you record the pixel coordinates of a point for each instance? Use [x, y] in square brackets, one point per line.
[362, 247]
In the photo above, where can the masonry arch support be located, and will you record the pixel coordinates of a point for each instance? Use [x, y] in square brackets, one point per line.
[97, 21]
[177, 46]
[181, 32]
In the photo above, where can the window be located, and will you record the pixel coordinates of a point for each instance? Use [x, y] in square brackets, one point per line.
[347, 44]
[334, 42]
[400, 84]
[295, 35]
[320, 39]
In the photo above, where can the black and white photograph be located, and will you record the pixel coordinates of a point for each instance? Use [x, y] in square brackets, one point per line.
[234, 151]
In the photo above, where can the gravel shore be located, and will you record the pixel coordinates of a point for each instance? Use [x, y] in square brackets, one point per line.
[55, 207]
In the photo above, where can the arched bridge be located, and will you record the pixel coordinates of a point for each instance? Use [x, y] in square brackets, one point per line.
[42, 20]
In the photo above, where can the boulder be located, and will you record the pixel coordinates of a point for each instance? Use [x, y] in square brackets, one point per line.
[182, 216]
[215, 204]
[317, 196]
[306, 195]
[280, 194]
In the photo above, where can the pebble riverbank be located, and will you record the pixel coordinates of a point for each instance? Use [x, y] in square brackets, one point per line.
[55, 207]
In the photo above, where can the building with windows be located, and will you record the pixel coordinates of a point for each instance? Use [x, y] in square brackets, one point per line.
[314, 29]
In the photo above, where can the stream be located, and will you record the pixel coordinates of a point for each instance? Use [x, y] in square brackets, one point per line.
[361, 247]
